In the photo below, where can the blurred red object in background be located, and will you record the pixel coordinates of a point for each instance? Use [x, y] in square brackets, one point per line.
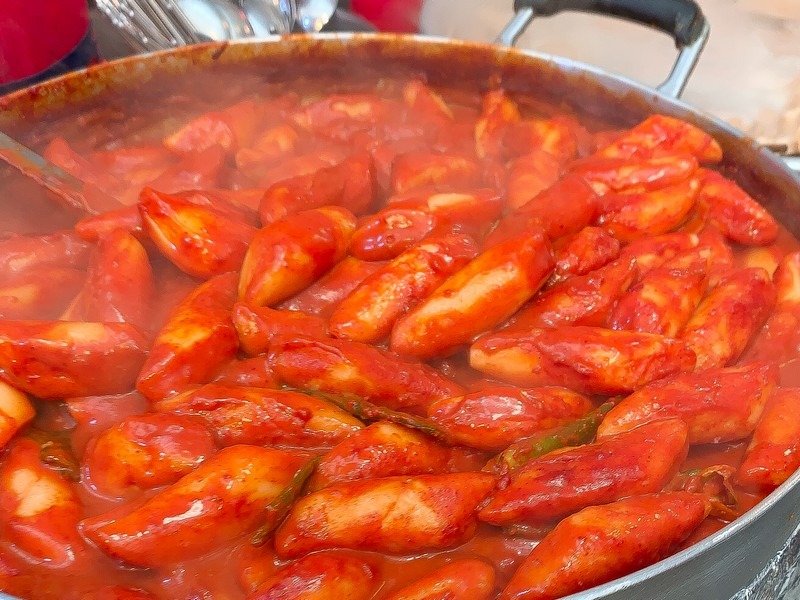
[36, 35]
[390, 15]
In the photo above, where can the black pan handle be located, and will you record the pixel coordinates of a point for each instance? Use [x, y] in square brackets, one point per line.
[681, 19]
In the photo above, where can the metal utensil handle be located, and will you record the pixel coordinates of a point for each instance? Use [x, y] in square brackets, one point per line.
[681, 19]
[182, 21]
[68, 188]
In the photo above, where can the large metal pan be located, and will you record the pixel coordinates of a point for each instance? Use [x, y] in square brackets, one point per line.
[722, 564]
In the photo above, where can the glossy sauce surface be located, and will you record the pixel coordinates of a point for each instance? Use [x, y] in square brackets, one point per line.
[237, 568]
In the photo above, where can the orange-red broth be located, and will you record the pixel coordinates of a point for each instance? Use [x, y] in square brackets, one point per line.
[229, 570]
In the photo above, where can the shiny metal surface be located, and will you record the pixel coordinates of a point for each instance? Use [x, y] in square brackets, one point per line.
[313, 15]
[685, 63]
[173, 23]
[152, 25]
[516, 27]
[139, 33]
[268, 17]
[780, 578]
[672, 86]
[728, 560]
[217, 20]
[33, 165]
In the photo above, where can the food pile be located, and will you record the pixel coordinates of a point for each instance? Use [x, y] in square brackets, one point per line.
[390, 345]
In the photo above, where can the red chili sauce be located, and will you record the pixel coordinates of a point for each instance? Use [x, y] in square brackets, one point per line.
[233, 570]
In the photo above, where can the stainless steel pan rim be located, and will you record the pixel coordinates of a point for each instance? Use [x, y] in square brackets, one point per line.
[693, 552]
[761, 159]
[567, 65]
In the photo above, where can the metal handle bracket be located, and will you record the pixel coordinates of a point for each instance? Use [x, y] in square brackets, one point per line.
[681, 19]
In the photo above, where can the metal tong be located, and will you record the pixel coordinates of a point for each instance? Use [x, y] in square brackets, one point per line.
[150, 25]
